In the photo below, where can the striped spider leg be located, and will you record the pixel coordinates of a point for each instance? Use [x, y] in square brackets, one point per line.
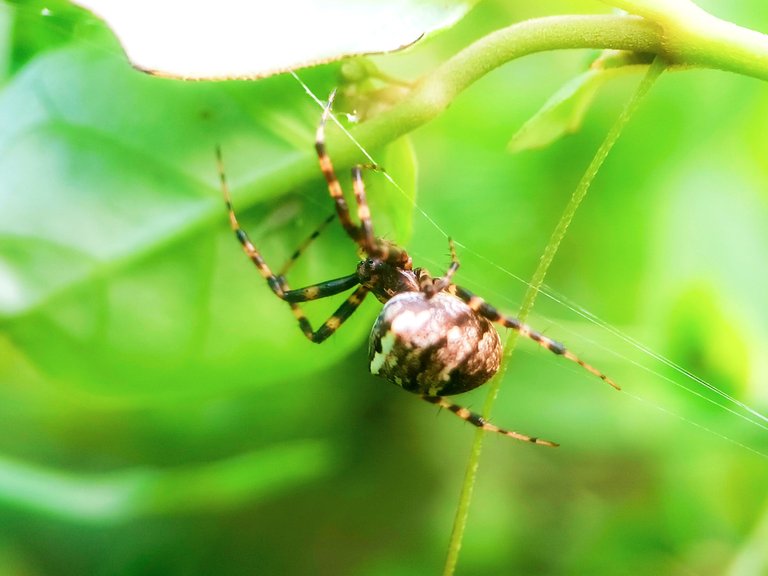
[484, 309]
[279, 285]
[432, 337]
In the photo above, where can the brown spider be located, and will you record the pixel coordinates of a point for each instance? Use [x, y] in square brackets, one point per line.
[432, 337]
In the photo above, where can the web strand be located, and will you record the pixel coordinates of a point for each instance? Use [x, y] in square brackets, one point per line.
[759, 420]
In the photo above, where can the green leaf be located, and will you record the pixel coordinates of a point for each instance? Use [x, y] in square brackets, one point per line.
[715, 324]
[110, 498]
[115, 243]
[34, 26]
[259, 39]
[564, 112]
[393, 212]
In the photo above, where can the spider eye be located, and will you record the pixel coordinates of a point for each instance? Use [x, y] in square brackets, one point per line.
[364, 268]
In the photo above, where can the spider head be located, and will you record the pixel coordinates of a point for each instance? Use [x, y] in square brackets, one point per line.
[386, 279]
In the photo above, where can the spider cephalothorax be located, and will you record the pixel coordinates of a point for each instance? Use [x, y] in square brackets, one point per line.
[385, 280]
[432, 337]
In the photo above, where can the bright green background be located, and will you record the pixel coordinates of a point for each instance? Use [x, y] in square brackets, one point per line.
[161, 414]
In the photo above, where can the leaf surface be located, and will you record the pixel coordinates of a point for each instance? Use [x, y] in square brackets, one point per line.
[115, 243]
[232, 39]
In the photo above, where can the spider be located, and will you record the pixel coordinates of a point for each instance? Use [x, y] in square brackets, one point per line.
[432, 337]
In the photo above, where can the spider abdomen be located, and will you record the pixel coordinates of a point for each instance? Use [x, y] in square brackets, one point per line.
[434, 346]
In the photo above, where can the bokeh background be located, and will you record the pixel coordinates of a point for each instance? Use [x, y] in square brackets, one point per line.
[161, 414]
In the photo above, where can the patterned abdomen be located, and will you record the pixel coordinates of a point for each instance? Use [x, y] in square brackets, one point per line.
[433, 346]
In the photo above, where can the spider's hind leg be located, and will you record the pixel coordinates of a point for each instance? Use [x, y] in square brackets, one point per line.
[480, 422]
[481, 307]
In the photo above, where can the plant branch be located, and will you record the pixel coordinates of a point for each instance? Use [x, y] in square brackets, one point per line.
[701, 40]
[695, 37]
[434, 92]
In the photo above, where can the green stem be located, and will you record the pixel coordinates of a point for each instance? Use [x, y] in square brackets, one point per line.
[436, 90]
[654, 71]
[695, 37]
[462, 509]
[704, 41]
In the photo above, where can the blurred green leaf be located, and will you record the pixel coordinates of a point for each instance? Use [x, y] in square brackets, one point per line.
[713, 294]
[113, 235]
[752, 556]
[564, 112]
[129, 495]
[723, 355]
[36, 26]
[394, 212]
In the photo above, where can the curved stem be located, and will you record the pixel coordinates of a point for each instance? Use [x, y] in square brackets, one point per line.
[434, 92]
[708, 42]
[695, 37]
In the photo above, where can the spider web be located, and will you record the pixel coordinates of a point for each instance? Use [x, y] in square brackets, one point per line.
[688, 381]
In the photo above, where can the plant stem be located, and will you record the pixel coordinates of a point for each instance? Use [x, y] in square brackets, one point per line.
[695, 37]
[462, 509]
[434, 92]
[709, 43]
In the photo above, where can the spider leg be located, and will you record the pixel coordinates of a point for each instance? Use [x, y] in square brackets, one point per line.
[426, 282]
[334, 187]
[336, 319]
[371, 245]
[279, 284]
[250, 250]
[317, 291]
[431, 286]
[300, 250]
[481, 307]
[362, 234]
[363, 212]
[480, 422]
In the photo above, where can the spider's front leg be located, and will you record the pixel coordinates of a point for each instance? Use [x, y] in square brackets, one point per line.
[431, 286]
[250, 250]
[362, 234]
[336, 319]
[279, 285]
